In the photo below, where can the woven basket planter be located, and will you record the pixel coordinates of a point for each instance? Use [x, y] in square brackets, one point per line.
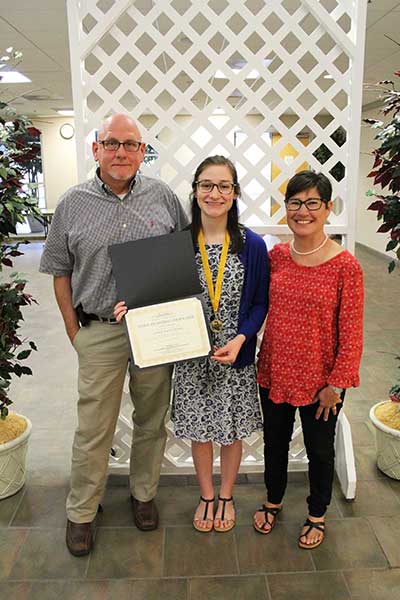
[13, 463]
[387, 446]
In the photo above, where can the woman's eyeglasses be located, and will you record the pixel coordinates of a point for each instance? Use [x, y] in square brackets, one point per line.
[224, 187]
[310, 203]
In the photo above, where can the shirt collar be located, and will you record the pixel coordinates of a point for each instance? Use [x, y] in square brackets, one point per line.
[107, 188]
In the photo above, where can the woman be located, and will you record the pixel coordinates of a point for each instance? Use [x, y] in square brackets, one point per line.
[310, 352]
[215, 399]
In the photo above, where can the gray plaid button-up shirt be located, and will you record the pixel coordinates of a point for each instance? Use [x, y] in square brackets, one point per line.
[89, 218]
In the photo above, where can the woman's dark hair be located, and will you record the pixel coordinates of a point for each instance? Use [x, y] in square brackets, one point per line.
[233, 226]
[308, 179]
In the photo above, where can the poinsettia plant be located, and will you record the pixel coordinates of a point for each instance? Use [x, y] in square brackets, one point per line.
[386, 169]
[16, 203]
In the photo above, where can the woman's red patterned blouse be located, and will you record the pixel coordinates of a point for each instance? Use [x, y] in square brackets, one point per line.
[313, 335]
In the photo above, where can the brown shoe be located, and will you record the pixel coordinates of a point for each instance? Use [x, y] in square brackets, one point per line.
[79, 538]
[145, 514]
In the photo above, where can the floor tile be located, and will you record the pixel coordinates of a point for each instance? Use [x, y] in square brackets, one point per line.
[374, 585]
[126, 552]
[70, 590]
[15, 590]
[271, 553]
[373, 498]
[177, 505]
[44, 555]
[8, 506]
[228, 588]
[362, 434]
[349, 544]
[366, 469]
[117, 510]
[165, 589]
[189, 552]
[11, 543]
[42, 507]
[387, 530]
[310, 586]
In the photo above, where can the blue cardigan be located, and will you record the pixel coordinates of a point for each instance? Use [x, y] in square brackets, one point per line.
[254, 300]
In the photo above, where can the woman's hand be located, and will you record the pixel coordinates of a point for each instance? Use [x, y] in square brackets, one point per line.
[228, 353]
[120, 310]
[327, 401]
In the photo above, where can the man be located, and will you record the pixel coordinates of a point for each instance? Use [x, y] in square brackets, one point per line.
[118, 205]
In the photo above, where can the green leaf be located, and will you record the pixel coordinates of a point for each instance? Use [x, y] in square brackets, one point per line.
[391, 245]
[24, 354]
[18, 370]
[391, 266]
[26, 371]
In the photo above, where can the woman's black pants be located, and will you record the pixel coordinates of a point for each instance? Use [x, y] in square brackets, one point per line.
[319, 437]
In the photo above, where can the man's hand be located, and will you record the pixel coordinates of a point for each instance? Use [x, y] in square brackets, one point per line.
[228, 353]
[327, 401]
[63, 293]
[71, 332]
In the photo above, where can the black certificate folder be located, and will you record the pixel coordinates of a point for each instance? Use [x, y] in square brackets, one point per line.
[158, 280]
[154, 270]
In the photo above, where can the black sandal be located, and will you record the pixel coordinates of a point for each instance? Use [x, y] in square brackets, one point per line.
[267, 510]
[231, 522]
[205, 518]
[320, 525]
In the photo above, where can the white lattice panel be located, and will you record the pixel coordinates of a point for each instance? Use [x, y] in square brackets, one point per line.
[274, 85]
[178, 457]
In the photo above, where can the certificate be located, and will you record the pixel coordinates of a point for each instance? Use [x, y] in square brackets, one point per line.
[168, 332]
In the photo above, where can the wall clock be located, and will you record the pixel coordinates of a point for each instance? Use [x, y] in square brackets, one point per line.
[67, 131]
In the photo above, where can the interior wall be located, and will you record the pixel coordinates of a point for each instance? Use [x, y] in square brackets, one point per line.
[58, 159]
[366, 223]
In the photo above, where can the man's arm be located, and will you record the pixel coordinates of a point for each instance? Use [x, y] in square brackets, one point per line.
[63, 293]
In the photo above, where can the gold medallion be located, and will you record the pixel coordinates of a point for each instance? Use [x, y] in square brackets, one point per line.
[216, 326]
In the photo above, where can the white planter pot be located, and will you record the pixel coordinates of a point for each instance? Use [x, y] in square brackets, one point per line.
[12, 463]
[387, 446]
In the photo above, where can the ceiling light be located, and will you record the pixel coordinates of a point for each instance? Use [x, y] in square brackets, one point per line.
[13, 77]
[66, 112]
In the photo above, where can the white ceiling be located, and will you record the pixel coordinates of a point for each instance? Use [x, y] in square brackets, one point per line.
[38, 28]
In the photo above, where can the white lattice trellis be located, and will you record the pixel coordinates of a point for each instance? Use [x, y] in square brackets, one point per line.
[275, 85]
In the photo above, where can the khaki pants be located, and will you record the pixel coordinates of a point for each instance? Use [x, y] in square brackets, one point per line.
[103, 358]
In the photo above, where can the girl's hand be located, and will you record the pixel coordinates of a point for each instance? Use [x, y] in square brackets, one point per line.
[120, 310]
[228, 353]
[327, 401]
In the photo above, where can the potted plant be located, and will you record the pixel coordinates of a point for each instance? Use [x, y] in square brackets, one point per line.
[16, 203]
[385, 416]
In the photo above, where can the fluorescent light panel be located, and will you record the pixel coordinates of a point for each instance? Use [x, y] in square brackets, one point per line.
[13, 77]
[66, 112]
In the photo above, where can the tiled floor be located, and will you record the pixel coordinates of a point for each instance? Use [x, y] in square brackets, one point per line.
[360, 558]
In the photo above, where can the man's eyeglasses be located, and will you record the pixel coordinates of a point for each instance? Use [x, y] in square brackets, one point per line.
[225, 187]
[113, 145]
[310, 203]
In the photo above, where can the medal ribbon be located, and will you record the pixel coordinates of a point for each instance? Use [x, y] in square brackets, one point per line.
[214, 293]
